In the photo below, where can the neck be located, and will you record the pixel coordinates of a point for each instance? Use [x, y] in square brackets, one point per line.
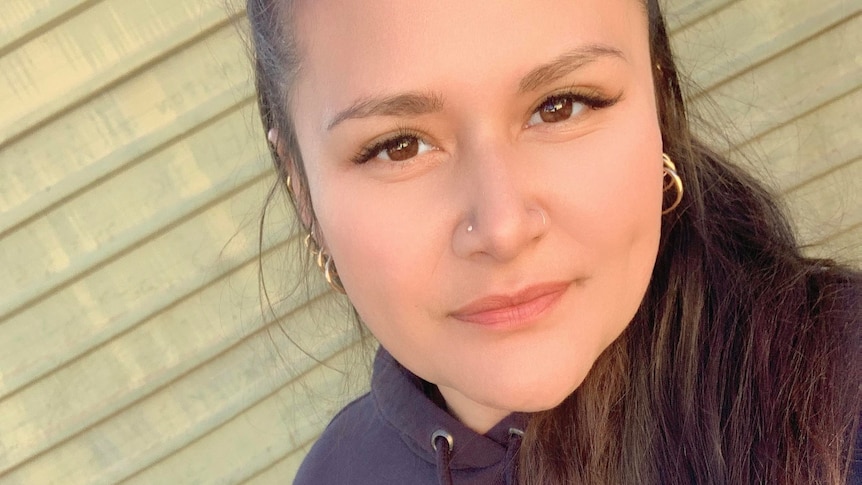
[476, 416]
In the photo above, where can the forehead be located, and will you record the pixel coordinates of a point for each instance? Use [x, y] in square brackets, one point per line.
[354, 48]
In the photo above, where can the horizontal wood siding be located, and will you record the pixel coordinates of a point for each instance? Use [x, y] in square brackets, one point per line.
[134, 343]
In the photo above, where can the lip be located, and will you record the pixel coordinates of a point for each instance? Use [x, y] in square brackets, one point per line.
[515, 309]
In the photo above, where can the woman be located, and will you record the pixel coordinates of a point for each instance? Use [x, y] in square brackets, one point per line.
[566, 285]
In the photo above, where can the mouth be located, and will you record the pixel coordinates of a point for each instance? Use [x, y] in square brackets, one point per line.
[512, 310]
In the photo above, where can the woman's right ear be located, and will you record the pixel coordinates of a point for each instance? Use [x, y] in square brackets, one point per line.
[295, 187]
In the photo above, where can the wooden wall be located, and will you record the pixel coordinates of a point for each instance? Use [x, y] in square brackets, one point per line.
[132, 173]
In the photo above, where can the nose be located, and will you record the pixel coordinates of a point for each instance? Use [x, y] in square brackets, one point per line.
[503, 215]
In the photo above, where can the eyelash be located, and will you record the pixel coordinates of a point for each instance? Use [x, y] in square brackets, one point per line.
[371, 151]
[592, 99]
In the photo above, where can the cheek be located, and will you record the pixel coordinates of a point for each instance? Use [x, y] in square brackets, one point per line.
[610, 191]
[383, 252]
[611, 208]
[627, 224]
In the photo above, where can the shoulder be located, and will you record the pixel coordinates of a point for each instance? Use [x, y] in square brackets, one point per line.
[338, 444]
[357, 447]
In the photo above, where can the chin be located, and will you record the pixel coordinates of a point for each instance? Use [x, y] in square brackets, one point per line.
[534, 395]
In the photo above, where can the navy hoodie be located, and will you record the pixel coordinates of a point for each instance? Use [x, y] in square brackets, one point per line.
[385, 437]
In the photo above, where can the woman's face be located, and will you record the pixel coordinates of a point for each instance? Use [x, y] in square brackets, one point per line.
[487, 177]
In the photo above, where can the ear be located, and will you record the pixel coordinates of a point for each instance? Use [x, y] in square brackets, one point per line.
[296, 187]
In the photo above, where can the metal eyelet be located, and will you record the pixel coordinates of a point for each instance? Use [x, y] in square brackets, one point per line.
[440, 433]
[516, 431]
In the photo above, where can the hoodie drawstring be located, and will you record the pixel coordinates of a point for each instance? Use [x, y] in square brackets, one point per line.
[442, 442]
[511, 466]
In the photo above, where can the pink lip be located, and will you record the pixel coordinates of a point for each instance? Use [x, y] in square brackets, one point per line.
[515, 309]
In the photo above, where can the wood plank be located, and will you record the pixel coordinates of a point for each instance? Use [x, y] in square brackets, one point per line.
[264, 433]
[114, 298]
[785, 88]
[681, 13]
[220, 395]
[96, 226]
[21, 18]
[828, 205]
[283, 470]
[749, 32]
[844, 247]
[121, 125]
[151, 355]
[91, 51]
[810, 146]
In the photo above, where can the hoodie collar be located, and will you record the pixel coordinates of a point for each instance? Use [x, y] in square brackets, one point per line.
[398, 396]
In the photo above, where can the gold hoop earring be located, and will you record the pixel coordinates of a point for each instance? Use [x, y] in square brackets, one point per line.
[675, 181]
[320, 258]
[309, 243]
[312, 247]
[331, 275]
[316, 251]
[324, 262]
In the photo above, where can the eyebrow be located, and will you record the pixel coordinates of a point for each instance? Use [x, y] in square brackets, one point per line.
[566, 64]
[407, 104]
[417, 103]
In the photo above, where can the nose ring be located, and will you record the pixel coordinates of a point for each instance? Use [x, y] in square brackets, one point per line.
[544, 219]
[540, 211]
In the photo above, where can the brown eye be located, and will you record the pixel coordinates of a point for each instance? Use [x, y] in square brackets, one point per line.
[400, 149]
[556, 109]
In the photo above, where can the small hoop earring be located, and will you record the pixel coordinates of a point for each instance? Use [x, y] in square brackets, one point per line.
[331, 275]
[675, 181]
[309, 243]
[288, 185]
[312, 247]
[320, 258]
[324, 262]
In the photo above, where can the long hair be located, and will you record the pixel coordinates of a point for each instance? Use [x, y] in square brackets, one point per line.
[741, 364]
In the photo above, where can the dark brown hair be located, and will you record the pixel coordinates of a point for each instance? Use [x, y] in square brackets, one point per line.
[742, 363]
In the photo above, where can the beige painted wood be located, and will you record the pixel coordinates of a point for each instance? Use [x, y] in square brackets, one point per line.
[26, 18]
[788, 86]
[111, 300]
[94, 49]
[250, 443]
[845, 247]
[122, 124]
[810, 145]
[749, 32]
[829, 204]
[94, 227]
[287, 466]
[207, 399]
[132, 170]
[680, 13]
[139, 255]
